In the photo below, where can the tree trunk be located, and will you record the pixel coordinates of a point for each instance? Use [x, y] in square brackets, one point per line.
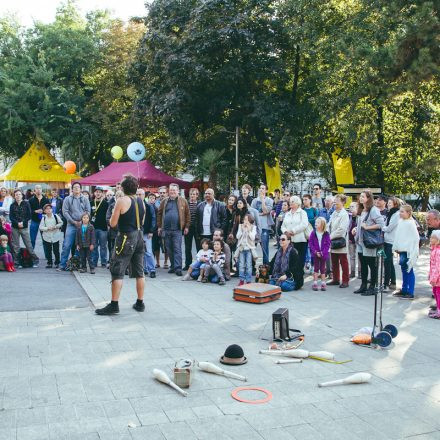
[296, 74]
[425, 201]
[380, 145]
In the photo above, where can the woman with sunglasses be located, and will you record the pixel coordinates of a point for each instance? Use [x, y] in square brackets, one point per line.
[286, 267]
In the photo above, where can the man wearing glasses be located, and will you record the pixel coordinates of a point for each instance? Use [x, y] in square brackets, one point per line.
[163, 192]
[317, 200]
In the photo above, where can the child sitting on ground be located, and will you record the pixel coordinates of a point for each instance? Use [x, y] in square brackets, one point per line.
[434, 272]
[216, 264]
[5, 254]
[85, 239]
[319, 244]
[202, 259]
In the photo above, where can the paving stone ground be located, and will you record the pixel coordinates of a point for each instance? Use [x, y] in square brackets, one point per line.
[68, 374]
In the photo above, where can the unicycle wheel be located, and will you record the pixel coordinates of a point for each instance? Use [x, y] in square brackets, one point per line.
[383, 339]
[391, 329]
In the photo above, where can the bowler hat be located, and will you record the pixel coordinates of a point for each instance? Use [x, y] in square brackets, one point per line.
[234, 355]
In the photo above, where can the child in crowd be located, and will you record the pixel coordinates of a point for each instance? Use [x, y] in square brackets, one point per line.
[246, 249]
[5, 228]
[216, 264]
[319, 244]
[406, 244]
[50, 228]
[202, 259]
[5, 254]
[434, 272]
[85, 239]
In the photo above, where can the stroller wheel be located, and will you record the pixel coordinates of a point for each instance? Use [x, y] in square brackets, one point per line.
[383, 339]
[392, 330]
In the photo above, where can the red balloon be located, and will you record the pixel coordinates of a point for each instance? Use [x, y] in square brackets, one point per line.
[69, 167]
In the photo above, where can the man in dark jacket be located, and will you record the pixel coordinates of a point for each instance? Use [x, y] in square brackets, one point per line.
[149, 227]
[20, 216]
[193, 203]
[173, 218]
[98, 219]
[210, 215]
[37, 201]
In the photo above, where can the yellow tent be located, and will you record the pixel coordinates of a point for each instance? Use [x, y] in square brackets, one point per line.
[37, 165]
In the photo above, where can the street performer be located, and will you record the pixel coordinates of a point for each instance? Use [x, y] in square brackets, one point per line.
[128, 252]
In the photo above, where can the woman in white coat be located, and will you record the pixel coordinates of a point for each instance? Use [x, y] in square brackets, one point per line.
[338, 227]
[294, 225]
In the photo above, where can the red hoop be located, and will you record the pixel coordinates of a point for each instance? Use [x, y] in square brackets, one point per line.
[235, 396]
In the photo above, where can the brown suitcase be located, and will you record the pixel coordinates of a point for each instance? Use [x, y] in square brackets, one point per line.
[257, 293]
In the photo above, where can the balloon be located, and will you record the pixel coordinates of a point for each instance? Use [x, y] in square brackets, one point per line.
[136, 151]
[69, 167]
[116, 152]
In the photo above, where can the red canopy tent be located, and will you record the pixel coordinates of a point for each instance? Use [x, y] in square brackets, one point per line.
[145, 171]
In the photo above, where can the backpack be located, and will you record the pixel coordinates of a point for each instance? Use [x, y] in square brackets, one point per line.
[74, 263]
[24, 258]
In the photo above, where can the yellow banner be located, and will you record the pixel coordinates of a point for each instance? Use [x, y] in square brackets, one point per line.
[273, 177]
[343, 172]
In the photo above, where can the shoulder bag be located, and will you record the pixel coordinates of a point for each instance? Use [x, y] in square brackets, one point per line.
[372, 238]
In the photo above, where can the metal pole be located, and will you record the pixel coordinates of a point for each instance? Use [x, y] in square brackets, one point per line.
[237, 134]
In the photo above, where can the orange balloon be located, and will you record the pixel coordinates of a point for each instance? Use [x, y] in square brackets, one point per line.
[69, 167]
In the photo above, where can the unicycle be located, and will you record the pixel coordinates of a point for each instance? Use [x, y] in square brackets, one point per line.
[386, 334]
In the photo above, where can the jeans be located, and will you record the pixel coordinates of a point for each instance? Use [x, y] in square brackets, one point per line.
[245, 265]
[408, 278]
[286, 285]
[69, 241]
[149, 264]
[214, 273]
[173, 246]
[33, 232]
[86, 256]
[265, 245]
[48, 248]
[390, 272]
[101, 241]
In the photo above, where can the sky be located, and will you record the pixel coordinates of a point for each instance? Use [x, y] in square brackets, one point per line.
[29, 11]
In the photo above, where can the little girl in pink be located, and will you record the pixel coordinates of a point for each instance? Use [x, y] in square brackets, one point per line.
[434, 271]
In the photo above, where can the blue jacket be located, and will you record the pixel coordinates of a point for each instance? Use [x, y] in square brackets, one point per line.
[150, 218]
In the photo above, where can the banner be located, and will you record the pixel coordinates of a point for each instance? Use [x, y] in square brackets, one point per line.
[343, 173]
[273, 177]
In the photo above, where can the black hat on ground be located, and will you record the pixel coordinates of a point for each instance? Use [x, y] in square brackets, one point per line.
[234, 355]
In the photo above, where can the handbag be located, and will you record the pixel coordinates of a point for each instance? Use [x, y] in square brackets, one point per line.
[338, 243]
[372, 238]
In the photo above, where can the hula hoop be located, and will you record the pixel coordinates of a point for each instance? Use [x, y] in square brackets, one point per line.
[235, 395]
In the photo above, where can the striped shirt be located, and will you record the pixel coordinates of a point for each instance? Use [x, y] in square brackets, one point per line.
[220, 260]
[192, 211]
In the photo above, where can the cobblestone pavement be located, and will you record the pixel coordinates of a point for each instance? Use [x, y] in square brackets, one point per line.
[68, 374]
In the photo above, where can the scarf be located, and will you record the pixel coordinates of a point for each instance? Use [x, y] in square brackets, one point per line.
[281, 265]
[390, 214]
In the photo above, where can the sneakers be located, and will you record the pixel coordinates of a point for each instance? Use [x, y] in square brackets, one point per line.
[315, 286]
[36, 264]
[109, 309]
[139, 306]
[199, 279]
[92, 271]
[204, 280]
[152, 274]
[406, 296]
[392, 286]
[187, 277]
[178, 273]
[240, 283]
[323, 287]
[222, 282]
[398, 293]
[434, 314]
[82, 270]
